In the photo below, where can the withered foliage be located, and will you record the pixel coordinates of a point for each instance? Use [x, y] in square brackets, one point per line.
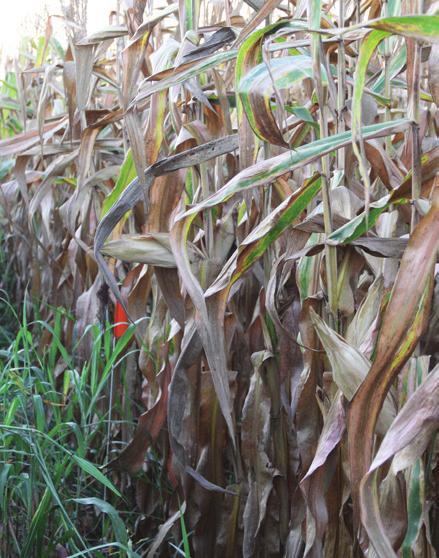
[257, 185]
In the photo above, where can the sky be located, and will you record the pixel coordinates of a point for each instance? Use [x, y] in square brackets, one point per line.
[19, 18]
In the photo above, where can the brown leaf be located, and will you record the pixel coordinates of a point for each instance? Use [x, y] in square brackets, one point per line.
[433, 73]
[21, 142]
[404, 321]
[420, 413]
[84, 58]
[411, 430]
[255, 434]
[181, 397]
[261, 14]
[382, 164]
[135, 192]
[220, 38]
[152, 248]
[314, 482]
[132, 457]
[86, 311]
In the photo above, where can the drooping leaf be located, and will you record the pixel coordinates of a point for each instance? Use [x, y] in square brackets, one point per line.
[163, 531]
[404, 320]
[254, 246]
[264, 11]
[180, 75]
[313, 482]
[151, 21]
[22, 142]
[421, 27]
[349, 368]
[258, 85]
[419, 414]
[209, 317]
[110, 32]
[250, 55]
[270, 169]
[151, 249]
[132, 457]
[418, 420]
[366, 315]
[134, 192]
[255, 438]
[126, 175]
[220, 38]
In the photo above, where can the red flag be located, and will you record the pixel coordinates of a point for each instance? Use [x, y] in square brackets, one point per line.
[120, 316]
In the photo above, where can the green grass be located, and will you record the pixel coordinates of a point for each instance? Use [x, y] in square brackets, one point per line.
[55, 492]
[57, 432]
[53, 438]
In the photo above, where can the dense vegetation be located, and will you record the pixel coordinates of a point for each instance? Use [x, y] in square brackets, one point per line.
[252, 189]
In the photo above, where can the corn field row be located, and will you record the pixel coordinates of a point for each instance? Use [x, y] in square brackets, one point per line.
[254, 186]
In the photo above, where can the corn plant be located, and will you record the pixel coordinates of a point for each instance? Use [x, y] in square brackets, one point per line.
[254, 185]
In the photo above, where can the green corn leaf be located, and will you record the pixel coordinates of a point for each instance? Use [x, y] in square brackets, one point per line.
[127, 174]
[415, 507]
[396, 65]
[183, 74]
[359, 225]
[367, 48]
[258, 85]
[250, 55]
[421, 27]
[266, 171]
[418, 27]
[250, 52]
[258, 241]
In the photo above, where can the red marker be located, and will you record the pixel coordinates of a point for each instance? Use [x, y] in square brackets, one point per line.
[120, 320]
